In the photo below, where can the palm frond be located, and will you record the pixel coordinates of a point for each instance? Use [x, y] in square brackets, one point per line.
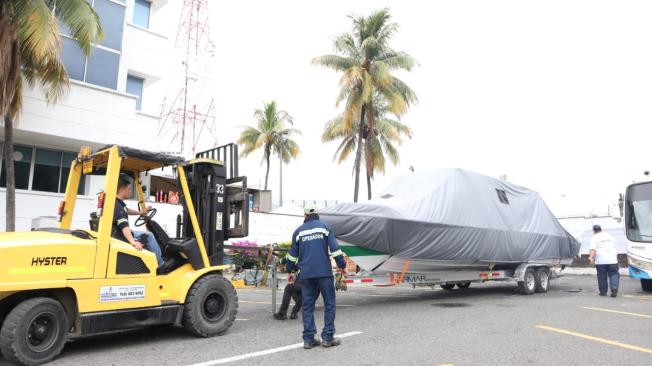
[335, 62]
[287, 149]
[368, 87]
[352, 110]
[400, 128]
[391, 152]
[250, 141]
[396, 104]
[398, 60]
[370, 48]
[377, 156]
[334, 129]
[345, 44]
[290, 131]
[380, 73]
[345, 149]
[406, 92]
[84, 23]
[37, 35]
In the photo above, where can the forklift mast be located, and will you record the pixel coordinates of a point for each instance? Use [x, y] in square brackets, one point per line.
[220, 197]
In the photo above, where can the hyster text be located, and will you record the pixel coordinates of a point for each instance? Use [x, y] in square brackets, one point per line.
[49, 261]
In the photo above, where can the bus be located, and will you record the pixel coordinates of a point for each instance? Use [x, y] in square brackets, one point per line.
[638, 232]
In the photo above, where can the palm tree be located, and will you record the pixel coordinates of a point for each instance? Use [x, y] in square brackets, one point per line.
[271, 135]
[30, 48]
[366, 60]
[379, 143]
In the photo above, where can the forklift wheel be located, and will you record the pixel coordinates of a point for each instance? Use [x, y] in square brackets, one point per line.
[34, 332]
[211, 306]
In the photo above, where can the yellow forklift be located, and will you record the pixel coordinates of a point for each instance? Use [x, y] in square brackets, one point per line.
[61, 283]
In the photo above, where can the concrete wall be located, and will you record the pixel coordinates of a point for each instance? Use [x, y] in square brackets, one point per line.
[89, 114]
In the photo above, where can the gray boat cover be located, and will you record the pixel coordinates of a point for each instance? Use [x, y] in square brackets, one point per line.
[454, 214]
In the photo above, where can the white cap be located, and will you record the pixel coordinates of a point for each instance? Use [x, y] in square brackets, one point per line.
[309, 209]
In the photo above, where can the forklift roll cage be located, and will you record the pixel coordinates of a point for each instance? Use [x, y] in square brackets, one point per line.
[215, 199]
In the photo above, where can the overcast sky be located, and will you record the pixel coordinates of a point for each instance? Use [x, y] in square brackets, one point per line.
[554, 94]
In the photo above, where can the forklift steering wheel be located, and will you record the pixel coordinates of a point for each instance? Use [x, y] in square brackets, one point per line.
[141, 220]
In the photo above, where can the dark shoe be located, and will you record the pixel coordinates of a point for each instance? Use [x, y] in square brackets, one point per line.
[311, 344]
[614, 293]
[332, 343]
[293, 315]
[603, 294]
[279, 316]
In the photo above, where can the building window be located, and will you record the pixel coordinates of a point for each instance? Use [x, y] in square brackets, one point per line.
[22, 166]
[48, 170]
[102, 65]
[135, 87]
[102, 68]
[112, 18]
[73, 59]
[141, 13]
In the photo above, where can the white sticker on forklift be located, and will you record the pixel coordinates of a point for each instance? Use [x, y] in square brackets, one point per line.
[122, 293]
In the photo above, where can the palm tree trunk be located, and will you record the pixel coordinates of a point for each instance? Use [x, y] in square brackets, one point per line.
[8, 154]
[368, 185]
[280, 183]
[358, 156]
[267, 154]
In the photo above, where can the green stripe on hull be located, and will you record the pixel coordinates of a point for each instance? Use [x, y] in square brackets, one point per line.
[355, 251]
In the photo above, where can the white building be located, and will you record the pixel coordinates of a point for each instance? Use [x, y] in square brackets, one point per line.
[115, 97]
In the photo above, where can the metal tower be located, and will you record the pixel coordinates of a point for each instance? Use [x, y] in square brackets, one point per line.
[188, 119]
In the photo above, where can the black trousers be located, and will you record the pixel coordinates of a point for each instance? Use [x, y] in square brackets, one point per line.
[292, 291]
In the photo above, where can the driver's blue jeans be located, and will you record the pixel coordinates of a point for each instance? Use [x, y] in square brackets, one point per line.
[151, 245]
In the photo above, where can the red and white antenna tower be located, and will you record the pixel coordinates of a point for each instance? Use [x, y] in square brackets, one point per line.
[182, 120]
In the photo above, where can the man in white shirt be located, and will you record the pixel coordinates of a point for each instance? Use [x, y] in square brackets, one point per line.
[603, 252]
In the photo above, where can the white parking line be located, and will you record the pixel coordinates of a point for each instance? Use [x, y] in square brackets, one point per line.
[642, 297]
[270, 303]
[596, 339]
[263, 353]
[618, 312]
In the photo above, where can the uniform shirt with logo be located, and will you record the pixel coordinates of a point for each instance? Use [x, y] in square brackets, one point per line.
[313, 245]
[605, 248]
[120, 219]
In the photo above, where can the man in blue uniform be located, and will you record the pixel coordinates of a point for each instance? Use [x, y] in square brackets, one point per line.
[311, 244]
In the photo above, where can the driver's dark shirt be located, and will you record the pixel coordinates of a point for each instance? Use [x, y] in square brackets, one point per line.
[120, 220]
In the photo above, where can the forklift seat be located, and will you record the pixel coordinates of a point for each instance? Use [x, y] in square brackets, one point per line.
[188, 249]
[162, 238]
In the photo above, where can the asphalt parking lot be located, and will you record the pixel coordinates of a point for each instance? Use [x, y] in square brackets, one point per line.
[488, 324]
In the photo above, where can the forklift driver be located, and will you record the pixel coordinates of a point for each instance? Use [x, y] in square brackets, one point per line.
[121, 229]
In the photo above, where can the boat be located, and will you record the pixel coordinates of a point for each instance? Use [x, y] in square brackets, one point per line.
[450, 220]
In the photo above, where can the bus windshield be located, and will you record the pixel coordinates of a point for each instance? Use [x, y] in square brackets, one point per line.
[638, 212]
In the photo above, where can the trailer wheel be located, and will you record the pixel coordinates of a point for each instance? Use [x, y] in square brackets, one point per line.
[464, 285]
[542, 279]
[447, 286]
[646, 285]
[211, 306]
[528, 285]
[34, 332]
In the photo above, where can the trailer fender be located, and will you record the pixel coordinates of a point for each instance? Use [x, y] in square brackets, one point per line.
[519, 272]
